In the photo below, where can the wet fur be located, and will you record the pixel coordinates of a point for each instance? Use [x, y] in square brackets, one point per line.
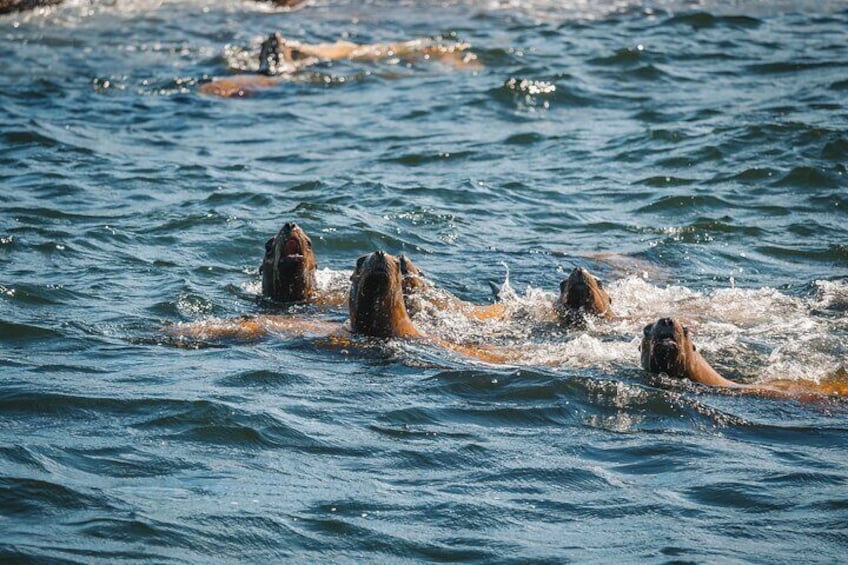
[376, 302]
[581, 294]
[288, 277]
[667, 348]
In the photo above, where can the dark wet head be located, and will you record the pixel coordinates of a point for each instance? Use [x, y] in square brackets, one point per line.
[274, 53]
[665, 346]
[582, 293]
[288, 268]
[376, 296]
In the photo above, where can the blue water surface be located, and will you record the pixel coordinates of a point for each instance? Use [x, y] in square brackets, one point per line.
[692, 154]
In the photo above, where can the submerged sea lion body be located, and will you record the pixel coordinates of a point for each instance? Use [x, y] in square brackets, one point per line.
[288, 268]
[581, 294]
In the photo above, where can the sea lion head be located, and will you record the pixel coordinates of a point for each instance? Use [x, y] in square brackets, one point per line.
[413, 278]
[376, 297]
[276, 55]
[666, 348]
[288, 268]
[580, 294]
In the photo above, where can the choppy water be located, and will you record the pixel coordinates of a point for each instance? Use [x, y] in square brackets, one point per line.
[691, 153]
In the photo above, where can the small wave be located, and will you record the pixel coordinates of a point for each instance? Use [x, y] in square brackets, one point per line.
[679, 204]
[537, 94]
[834, 254]
[220, 424]
[33, 497]
[781, 67]
[419, 159]
[810, 177]
[702, 20]
[753, 175]
[18, 332]
[666, 181]
[262, 379]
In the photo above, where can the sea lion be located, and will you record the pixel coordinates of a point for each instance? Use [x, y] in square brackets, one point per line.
[280, 57]
[376, 309]
[413, 278]
[581, 294]
[287, 3]
[419, 293]
[9, 6]
[376, 303]
[288, 268]
[667, 348]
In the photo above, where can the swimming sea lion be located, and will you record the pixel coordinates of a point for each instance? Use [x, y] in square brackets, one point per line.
[667, 348]
[287, 3]
[376, 298]
[581, 294]
[419, 293]
[288, 268]
[279, 57]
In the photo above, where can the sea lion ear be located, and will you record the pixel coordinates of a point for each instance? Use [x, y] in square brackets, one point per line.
[360, 261]
[646, 331]
[269, 245]
[562, 285]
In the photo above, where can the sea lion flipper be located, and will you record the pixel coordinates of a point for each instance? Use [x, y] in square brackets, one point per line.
[496, 289]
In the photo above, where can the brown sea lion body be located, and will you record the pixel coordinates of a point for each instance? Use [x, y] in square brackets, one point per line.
[288, 267]
[581, 294]
[279, 57]
[418, 292]
[667, 348]
[376, 307]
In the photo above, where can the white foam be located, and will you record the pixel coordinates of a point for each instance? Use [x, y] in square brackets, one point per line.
[762, 333]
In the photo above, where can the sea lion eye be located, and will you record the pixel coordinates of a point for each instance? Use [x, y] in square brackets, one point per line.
[686, 331]
[646, 331]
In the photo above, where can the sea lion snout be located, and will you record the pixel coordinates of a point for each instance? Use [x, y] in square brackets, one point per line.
[288, 268]
[581, 293]
[667, 348]
[664, 347]
[663, 329]
[413, 278]
[376, 298]
[294, 239]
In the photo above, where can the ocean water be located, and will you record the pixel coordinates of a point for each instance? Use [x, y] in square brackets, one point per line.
[691, 154]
